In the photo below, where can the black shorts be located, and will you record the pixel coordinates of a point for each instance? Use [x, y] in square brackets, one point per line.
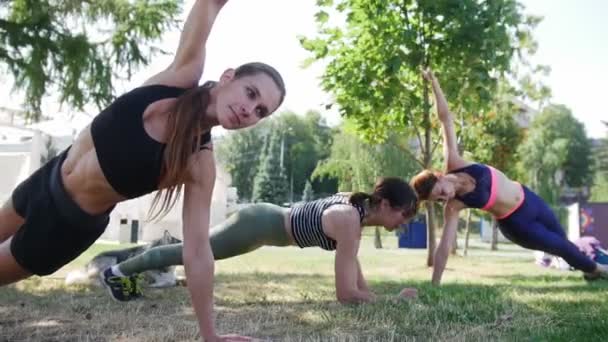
[56, 229]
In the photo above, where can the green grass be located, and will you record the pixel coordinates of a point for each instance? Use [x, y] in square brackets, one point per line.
[287, 294]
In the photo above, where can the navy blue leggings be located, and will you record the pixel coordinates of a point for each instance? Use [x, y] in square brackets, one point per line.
[534, 226]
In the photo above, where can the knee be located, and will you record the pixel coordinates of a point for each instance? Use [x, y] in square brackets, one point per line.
[152, 256]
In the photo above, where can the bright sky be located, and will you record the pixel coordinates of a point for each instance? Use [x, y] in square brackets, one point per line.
[570, 42]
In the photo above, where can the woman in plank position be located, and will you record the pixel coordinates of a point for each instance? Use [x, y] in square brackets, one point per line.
[332, 223]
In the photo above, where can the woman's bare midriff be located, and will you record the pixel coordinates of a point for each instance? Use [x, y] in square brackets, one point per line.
[82, 175]
[83, 178]
[508, 197]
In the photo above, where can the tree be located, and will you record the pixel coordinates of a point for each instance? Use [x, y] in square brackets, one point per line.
[356, 163]
[304, 140]
[599, 191]
[556, 144]
[493, 139]
[77, 48]
[308, 194]
[241, 153]
[374, 62]
[270, 183]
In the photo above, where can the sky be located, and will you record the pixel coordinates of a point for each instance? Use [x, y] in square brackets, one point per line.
[572, 41]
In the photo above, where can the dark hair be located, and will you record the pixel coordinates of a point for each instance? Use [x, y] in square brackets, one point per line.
[254, 68]
[185, 127]
[396, 191]
[424, 182]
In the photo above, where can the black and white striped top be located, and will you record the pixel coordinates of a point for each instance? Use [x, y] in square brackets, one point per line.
[306, 225]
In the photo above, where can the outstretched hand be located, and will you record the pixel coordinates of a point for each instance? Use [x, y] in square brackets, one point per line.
[408, 293]
[428, 74]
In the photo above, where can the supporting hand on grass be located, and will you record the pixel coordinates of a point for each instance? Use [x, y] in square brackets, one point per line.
[408, 293]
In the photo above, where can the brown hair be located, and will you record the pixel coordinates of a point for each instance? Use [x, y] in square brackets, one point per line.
[185, 129]
[397, 192]
[424, 182]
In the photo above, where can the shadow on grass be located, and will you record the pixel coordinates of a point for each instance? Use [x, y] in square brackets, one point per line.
[293, 307]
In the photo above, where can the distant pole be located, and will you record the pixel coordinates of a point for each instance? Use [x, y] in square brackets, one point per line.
[282, 149]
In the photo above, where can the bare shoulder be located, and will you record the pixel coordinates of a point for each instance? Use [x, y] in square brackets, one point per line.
[339, 212]
[339, 221]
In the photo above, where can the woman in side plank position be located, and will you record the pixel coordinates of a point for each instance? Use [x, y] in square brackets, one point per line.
[155, 137]
[523, 217]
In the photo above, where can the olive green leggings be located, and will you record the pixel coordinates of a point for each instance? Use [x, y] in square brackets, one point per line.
[250, 228]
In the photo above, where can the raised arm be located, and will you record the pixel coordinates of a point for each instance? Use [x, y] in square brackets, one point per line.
[450, 224]
[345, 226]
[452, 158]
[197, 253]
[187, 66]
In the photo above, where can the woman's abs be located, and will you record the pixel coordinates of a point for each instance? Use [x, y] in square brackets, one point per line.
[83, 178]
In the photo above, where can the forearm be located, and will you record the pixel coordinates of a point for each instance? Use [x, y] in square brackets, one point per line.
[199, 268]
[197, 29]
[361, 283]
[443, 111]
[439, 262]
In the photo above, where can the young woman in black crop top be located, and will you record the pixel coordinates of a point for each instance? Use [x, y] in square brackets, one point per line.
[155, 137]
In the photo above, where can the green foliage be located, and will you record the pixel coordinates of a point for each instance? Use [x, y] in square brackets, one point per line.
[599, 191]
[305, 141]
[77, 48]
[374, 63]
[556, 141]
[308, 194]
[357, 163]
[240, 153]
[270, 182]
[493, 137]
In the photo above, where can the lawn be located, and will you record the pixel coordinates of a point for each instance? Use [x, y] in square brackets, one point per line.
[287, 294]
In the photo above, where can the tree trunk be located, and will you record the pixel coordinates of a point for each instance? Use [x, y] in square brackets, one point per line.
[494, 245]
[430, 220]
[427, 163]
[377, 238]
[467, 233]
[455, 245]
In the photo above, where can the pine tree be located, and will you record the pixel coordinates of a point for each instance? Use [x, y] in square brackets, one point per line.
[270, 182]
[77, 49]
[308, 194]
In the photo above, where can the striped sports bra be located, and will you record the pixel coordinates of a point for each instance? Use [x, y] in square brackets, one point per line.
[306, 226]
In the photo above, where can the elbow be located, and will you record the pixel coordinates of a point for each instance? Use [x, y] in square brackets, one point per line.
[196, 256]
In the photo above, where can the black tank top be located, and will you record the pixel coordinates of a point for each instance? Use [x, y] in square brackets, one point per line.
[129, 158]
